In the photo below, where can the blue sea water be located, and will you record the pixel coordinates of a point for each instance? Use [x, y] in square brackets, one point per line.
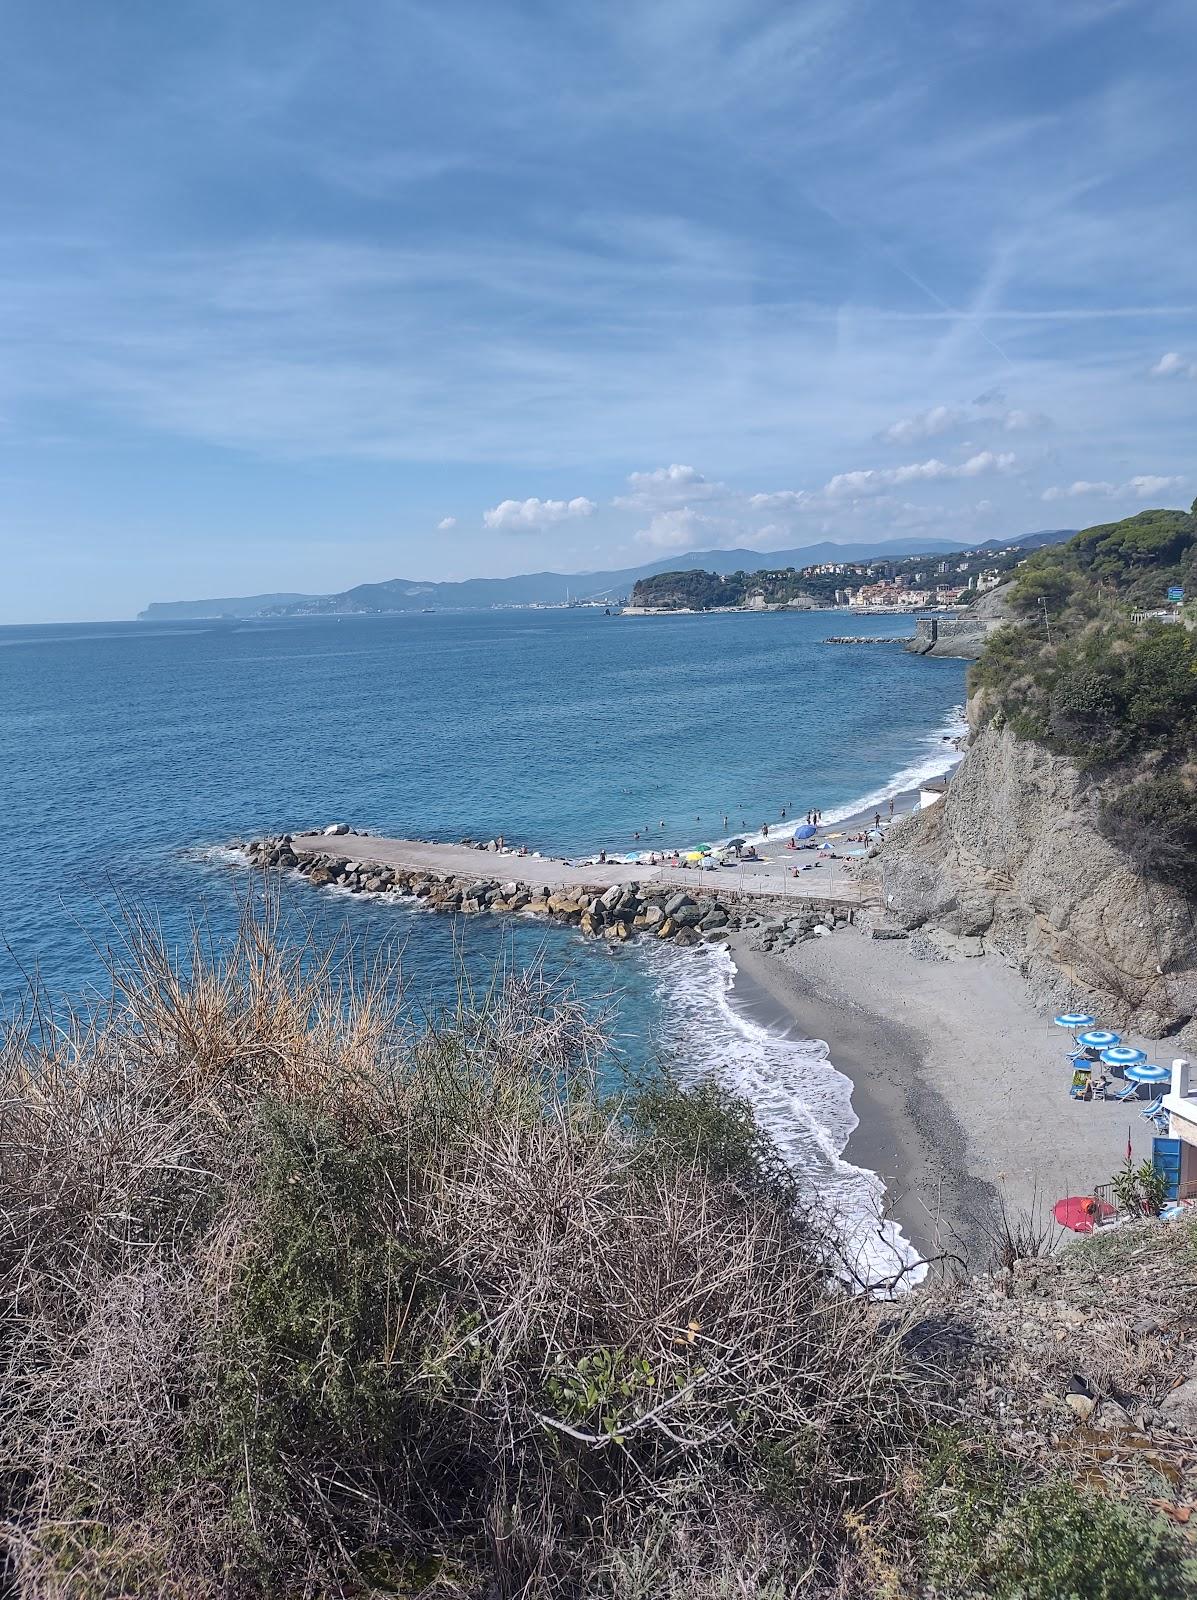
[133, 752]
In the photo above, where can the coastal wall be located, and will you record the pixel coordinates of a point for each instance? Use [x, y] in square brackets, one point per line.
[961, 638]
[1013, 854]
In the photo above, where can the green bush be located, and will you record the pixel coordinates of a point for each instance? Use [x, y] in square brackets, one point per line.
[1117, 698]
[989, 1536]
[1155, 821]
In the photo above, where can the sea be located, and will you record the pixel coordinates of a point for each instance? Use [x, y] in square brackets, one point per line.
[135, 756]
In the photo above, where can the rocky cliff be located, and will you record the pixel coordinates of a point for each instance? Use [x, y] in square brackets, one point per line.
[1013, 853]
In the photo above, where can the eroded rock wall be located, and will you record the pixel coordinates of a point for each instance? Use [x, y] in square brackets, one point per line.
[1013, 853]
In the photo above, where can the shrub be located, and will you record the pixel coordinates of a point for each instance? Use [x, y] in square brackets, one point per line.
[989, 1536]
[302, 1302]
[1118, 699]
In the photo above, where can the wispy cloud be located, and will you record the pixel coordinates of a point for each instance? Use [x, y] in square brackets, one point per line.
[446, 524]
[1143, 487]
[678, 529]
[265, 264]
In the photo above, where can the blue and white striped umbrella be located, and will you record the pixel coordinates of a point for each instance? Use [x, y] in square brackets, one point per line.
[1075, 1019]
[1147, 1072]
[1099, 1039]
[1123, 1056]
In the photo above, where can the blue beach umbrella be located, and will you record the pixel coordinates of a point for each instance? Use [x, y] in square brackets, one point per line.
[1099, 1039]
[1123, 1056]
[1147, 1072]
[1074, 1019]
[805, 831]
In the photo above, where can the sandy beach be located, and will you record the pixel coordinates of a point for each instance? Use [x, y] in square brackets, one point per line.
[961, 1087]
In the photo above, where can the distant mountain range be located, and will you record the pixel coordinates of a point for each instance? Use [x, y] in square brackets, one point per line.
[554, 588]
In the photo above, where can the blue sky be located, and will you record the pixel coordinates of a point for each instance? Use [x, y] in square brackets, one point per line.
[299, 295]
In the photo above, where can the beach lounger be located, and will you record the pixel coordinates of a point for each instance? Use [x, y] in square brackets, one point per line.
[1128, 1092]
[1154, 1109]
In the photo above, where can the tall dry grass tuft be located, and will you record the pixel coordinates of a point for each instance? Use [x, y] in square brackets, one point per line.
[300, 1299]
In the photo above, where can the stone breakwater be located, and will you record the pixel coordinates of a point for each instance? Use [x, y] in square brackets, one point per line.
[617, 912]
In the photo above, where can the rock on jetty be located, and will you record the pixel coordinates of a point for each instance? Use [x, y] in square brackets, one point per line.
[615, 913]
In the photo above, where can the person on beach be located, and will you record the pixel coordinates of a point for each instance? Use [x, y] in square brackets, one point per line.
[877, 819]
[891, 808]
[765, 830]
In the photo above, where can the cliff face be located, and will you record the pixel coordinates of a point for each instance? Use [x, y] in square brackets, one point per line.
[1013, 853]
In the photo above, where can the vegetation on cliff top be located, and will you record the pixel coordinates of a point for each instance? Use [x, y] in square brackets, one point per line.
[298, 1300]
[1116, 695]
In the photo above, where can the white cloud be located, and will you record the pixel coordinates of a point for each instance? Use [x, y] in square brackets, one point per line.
[1174, 365]
[782, 500]
[1142, 487]
[1024, 421]
[445, 524]
[871, 480]
[948, 419]
[522, 515]
[672, 530]
[926, 425]
[667, 487]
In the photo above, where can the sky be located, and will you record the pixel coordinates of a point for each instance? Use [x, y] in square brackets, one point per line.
[295, 295]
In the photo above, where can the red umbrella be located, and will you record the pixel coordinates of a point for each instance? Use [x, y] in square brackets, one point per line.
[1081, 1212]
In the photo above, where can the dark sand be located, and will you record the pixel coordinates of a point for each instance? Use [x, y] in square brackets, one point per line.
[906, 1131]
[961, 1085]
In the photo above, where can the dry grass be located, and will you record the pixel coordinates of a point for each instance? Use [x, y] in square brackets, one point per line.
[298, 1299]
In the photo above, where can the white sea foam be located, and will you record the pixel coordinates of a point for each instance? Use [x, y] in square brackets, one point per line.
[938, 755]
[935, 754]
[798, 1096]
[218, 855]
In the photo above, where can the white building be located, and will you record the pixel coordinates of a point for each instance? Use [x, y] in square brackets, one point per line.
[1181, 1105]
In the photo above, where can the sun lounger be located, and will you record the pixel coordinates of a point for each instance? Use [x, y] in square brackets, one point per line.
[1126, 1093]
[1154, 1109]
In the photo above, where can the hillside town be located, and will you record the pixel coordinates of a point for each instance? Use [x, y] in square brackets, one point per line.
[916, 583]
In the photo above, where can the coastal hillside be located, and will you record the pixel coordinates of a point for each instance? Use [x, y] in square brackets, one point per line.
[1068, 837]
[958, 576]
[545, 588]
[303, 1300]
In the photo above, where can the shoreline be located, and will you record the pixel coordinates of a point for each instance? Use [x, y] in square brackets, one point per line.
[960, 1087]
[929, 1191]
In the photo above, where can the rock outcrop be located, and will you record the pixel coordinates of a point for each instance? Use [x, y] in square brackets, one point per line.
[1013, 854]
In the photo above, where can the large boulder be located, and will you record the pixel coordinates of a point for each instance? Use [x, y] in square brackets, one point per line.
[677, 903]
[688, 916]
[336, 828]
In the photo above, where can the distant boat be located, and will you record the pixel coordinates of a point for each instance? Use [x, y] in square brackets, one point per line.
[427, 611]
